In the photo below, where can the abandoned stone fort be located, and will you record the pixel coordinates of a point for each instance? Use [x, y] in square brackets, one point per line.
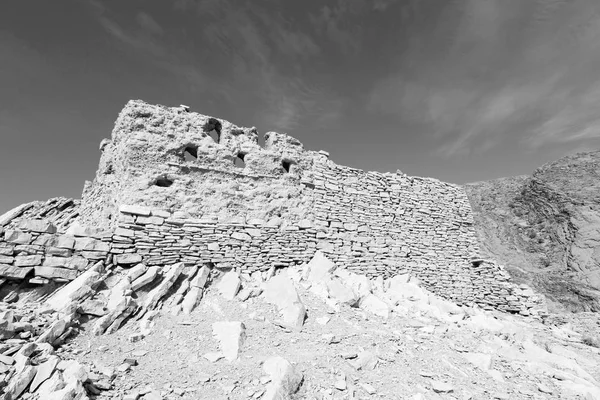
[176, 186]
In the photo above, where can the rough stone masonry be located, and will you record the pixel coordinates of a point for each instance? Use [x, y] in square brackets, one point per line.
[173, 185]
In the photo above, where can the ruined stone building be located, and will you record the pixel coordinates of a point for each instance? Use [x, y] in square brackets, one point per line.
[174, 185]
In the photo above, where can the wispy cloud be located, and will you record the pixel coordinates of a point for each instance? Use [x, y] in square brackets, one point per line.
[148, 23]
[257, 58]
[512, 71]
[337, 24]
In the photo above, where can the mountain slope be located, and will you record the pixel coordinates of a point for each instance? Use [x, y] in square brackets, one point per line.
[545, 228]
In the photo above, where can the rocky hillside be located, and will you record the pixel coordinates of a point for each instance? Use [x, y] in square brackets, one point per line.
[309, 332]
[545, 228]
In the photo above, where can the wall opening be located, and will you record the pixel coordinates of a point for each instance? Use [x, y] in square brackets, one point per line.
[287, 165]
[238, 161]
[190, 153]
[262, 140]
[213, 128]
[163, 182]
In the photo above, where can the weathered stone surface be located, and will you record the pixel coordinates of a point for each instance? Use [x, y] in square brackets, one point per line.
[231, 336]
[201, 277]
[52, 384]
[77, 263]
[13, 272]
[44, 372]
[374, 305]
[285, 379]
[91, 244]
[28, 261]
[19, 383]
[341, 293]
[64, 242]
[229, 285]
[51, 261]
[281, 292]
[37, 225]
[158, 292]
[128, 259]
[319, 268]
[56, 329]
[134, 210]
[53, 273]
[6, 259]
[136, 272]
[146, 278]
[191, 299]
[76, 289]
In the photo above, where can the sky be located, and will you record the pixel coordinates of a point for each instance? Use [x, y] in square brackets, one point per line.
[459, 90]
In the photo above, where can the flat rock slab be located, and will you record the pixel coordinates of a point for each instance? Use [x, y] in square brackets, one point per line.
[229, 285]
[231, 336]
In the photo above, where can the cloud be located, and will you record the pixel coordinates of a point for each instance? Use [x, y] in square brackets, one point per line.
[512, 72]
[575, 120]
[338, 24]
[266, 53]
[252, 54]
[148, 23]
[383, 5]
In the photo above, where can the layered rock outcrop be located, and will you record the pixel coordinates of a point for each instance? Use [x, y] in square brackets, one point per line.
[546, 228]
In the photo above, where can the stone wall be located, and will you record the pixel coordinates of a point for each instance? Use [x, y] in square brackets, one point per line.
[156, 237]
[35, 252]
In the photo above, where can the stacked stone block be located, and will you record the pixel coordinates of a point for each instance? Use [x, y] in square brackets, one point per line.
[34, 251]
[157, 237]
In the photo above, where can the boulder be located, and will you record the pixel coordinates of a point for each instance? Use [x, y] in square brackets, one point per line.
[229, 285]
[285, 379]
[231, 337]
[341, 293]
[374, 305]
[281, 292]
[319, 267]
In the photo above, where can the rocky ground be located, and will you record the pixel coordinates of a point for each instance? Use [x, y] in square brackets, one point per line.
[308, 333]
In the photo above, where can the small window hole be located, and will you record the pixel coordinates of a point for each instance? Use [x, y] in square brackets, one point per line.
[214, 130]
[287, 165]
[238, 161]
[163, 182]
[190, 153]
[262, 140]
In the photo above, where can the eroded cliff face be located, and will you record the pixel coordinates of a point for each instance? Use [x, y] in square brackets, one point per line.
[546, 228]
